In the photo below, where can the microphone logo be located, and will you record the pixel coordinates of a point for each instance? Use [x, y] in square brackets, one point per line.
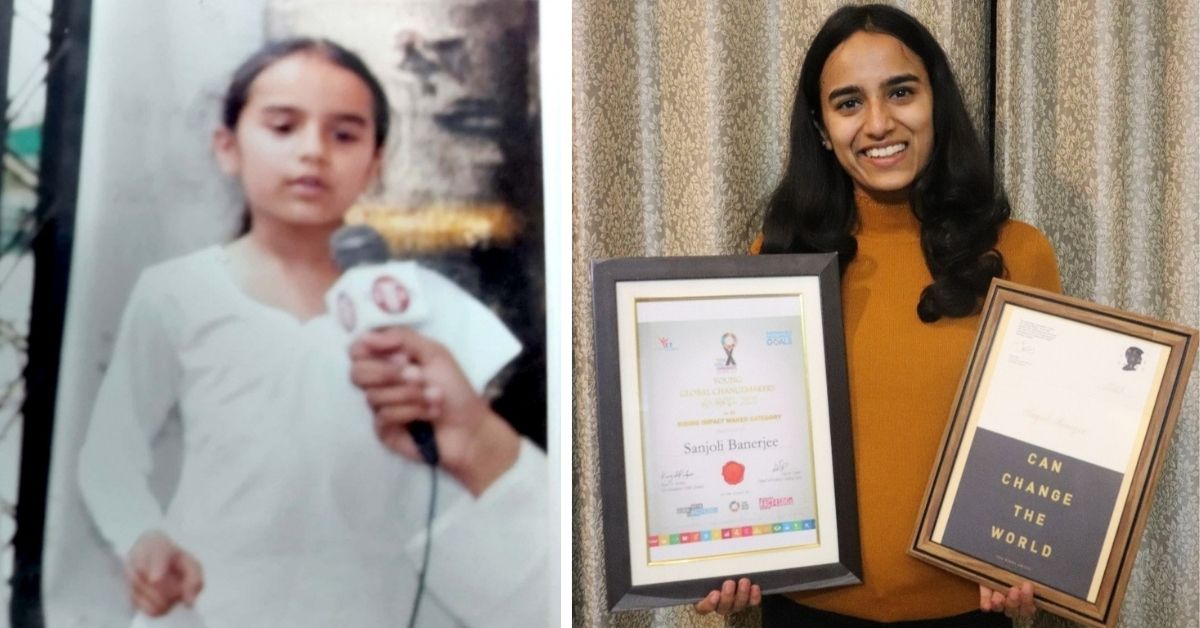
[390, 295]
[345, 311]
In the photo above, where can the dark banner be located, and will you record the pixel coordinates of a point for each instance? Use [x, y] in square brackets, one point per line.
[1032, 511]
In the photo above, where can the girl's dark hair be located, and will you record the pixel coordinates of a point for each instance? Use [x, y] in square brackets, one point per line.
[239, 88]
[955, 196]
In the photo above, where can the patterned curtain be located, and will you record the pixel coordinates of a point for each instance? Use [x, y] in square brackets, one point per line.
[1096, 128]
[680, 125]
[681, 115]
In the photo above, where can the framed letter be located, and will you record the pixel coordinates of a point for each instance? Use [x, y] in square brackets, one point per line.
[1054, 449]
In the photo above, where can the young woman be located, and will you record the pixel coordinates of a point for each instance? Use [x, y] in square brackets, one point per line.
[885, 169]
[288, 511]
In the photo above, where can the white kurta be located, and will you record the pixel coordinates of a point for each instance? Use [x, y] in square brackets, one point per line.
[298, 515]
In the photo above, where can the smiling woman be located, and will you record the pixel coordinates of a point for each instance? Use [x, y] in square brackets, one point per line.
[885, 169]
[878, 112]
[862, 87]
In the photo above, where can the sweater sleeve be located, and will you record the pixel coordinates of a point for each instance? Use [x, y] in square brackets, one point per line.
[1029, 256]
[488, 559]
[139, 388]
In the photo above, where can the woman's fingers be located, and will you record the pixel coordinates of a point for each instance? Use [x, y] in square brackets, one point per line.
[742, 597]
[728, 590]
[709, 603]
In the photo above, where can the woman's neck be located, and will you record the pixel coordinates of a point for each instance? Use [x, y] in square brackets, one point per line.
[885, 213]
[882, 197]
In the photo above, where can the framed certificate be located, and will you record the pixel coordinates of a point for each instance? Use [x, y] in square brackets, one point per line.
[1054, 449]
[724, 426]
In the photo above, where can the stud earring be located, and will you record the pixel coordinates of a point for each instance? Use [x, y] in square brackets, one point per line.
[821, 132]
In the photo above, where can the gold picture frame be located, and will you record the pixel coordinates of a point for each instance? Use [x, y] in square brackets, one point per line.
[1054, 448]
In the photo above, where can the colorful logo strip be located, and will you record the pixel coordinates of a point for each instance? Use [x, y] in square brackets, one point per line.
[700, 536]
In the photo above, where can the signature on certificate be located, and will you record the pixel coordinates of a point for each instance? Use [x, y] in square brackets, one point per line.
[681, 475]
[780, 467]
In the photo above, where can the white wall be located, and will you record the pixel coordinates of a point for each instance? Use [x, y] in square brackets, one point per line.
[149, 190]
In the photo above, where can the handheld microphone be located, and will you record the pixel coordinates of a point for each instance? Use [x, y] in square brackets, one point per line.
[375, 292]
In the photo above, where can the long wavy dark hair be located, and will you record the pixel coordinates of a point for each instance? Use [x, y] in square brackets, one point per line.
[955, 196]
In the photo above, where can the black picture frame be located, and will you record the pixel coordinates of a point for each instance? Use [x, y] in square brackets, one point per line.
[845, 568]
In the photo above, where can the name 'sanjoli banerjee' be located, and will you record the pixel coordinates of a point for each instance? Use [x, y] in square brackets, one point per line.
[730, 444]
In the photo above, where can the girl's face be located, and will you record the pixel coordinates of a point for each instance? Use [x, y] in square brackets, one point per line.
[877, 106]
[303, 146]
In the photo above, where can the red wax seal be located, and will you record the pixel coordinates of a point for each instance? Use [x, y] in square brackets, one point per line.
[733, 472]
[390, 295]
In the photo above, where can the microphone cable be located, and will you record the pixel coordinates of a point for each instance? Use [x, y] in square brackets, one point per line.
[412, 618]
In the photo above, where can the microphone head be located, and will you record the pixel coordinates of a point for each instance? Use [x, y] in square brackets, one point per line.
[356, 245]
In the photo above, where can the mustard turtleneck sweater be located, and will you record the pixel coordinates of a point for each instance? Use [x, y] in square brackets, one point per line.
[903, 377]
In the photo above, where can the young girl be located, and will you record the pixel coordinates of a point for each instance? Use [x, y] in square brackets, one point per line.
[288, 511]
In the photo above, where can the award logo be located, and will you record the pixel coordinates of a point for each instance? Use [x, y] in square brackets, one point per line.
[767, 503]
[390, 295]
[728, 342]
[733, 472]
[779, 338]
[1133, 357]
[696, 510]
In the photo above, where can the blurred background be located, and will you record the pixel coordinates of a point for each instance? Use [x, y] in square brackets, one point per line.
[107, 168]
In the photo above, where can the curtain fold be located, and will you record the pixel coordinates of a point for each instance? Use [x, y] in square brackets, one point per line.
[681, 121]
[680, 127]
[1096, 128]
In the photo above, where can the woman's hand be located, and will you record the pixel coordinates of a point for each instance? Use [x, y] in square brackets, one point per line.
[731, 598]
[408, 377]
[1018, 604]
[161, 574]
